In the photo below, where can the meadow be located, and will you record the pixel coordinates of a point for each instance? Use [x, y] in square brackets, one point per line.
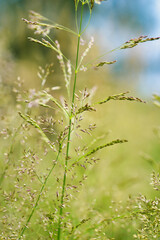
[79, 151]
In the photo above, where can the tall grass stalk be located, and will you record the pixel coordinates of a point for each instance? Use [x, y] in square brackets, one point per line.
[69, 130]
[72, 110]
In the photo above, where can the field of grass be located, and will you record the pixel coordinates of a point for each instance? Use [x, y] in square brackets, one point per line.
[77, 163]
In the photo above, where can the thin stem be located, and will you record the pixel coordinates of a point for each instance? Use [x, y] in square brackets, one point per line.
[57, 26]
[60, 51]
[88, 22]
[76, 18]
[93, 60]
[39, 196]
[69, 133]
[9, 154]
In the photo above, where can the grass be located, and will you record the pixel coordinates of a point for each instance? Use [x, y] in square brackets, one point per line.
[53, 166]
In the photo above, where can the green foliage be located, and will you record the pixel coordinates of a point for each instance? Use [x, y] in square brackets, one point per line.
[144, 212]
[45, 171]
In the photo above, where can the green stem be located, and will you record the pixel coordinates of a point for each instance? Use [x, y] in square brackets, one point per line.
[60, 51]
[87, 23]
[69, 133]
[39, 196]
[9, 154]
[93, 60]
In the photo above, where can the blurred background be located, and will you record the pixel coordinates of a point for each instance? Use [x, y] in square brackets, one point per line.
[112, 24]
[136, 70]
[124, 169]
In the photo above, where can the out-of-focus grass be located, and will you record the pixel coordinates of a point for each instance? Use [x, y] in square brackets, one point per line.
[122, 171]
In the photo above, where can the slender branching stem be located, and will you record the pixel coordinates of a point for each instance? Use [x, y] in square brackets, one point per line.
[39, 196]
[97, 58]
[69, 131]
[9, 154]
[87, 22]
[60, 52]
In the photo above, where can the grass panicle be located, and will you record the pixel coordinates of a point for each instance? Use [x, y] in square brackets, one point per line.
[52, 165]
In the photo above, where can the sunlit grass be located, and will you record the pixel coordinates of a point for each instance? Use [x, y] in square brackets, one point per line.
[64, 178]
